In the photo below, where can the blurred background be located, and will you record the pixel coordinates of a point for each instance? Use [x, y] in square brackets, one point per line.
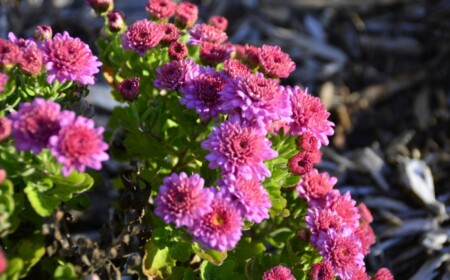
[381, 67]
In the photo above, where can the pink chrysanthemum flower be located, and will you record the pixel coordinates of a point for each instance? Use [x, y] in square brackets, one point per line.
[142, 36]
[300, 163]
[202, 93]
[322, 271]
[367, 237]
[212, 54]
[344, 206]
[116, 21]
[256, 100]
[360, 274]
[364, 212]
[161, 9]
[78, 144]
[219, 229]
[9, 53]
[5, 128]
[343, 251]
[32, 59]
[250, 196]
[34, 124]
[383, 274]
[129, 88]
[182, 199]
[278, 273]
[308, 142]
[218, 22]
[42, 33]
[236, 69]
[177, 50]
[309, 115]
[321, 220]
[315, 185]
[186, 15]
[170, 33]
[3, 81]
[274, 62]
[3, 262]
[201, 33]
[69, 59]
[2, 179]
[174, 74]
[239, 150]
[251, 56]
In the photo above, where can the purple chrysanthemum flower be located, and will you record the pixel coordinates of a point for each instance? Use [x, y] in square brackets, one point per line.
[69, 59]
[3, 81]
[212, 54]
[239, 150]
[142, 36]
[78, 144]
[202, 93]
[174, 74]
[182, 199]
[129, 88]
[250, 196]
[34, 124]
[206, 33]
[309, 115]
[278, 272]
[219, 229]
[343, 251]
[256, 100]
[320, 220]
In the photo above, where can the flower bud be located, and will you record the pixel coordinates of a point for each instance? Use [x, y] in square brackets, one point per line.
[5, 128]
[43, 32]
[101, 6]
[129, 88]
[116, 21]
[186, 15]
[177, 50]
[218, 22]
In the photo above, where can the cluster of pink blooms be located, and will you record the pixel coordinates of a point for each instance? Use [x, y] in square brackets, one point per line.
[73, 140]
[61, 57]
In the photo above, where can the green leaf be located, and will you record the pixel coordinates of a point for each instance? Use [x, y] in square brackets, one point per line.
[212, 256]
[65, 272]
[30, 250]
[181, 251]
[156, 262]
[222, 272]
[13, 271]
[41, 202]
[247, 249]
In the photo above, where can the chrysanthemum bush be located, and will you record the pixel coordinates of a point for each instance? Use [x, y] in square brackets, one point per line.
[222, 154]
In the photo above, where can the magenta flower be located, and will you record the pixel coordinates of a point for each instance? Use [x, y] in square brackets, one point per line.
[322, 271]
[321, 220]
[170, 33]
[212, 54]
[250, 196]
[182, 199]
[32, 59]
[315, 185]
[278, 273]
[367, 237]
[186, 15]
[174, 74]
[383, 274]
[344, 206]
[256, 100]
[3, 81]
[236, 69]
[142, 36]
[274, 62]
[201, 33]
[308, 142]
[78, 144]
[116, 21]
[5, 128]
[177, 50]
[343, 251]
[3, 262]
[9, 53]
[360, 274]
[69, 59]
[239, 150]
[161, 9]
[219, 229]
[309, 115]
[218, 22]
[301, 163]
[42, 33]
[101, 6]
[364, 212]
[34, 124]
[202, 93]
[129, 88]
[2, 179]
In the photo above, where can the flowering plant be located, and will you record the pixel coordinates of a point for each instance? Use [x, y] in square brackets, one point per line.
[221, 183]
